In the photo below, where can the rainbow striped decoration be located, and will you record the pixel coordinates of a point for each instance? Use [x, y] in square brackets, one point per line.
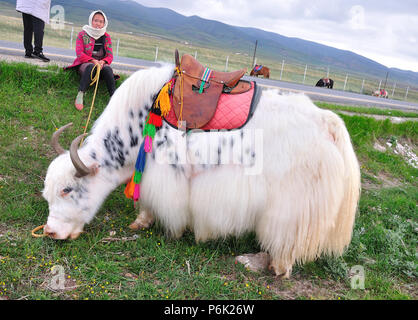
[205, 78]
[160, 108]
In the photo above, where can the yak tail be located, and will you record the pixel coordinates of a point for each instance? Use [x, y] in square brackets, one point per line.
[340, 235]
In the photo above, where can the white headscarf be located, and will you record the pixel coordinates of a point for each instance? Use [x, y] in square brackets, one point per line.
[93, 32]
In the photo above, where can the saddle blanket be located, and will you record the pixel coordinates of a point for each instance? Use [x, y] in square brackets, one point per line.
[258, 67]
[232, 112]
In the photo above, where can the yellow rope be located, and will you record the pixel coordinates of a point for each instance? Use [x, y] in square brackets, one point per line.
[94, 80]
[180, 118]
[34, 234]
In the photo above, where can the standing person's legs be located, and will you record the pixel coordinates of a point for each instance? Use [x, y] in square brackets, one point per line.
[27, 34]
[107, 74]
[38, 30]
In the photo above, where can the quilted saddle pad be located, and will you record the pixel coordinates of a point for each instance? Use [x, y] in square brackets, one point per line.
[232, 112]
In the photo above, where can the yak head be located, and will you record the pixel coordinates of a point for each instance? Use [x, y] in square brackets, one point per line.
[69, 188]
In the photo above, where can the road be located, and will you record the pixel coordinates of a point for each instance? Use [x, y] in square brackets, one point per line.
[128, 65]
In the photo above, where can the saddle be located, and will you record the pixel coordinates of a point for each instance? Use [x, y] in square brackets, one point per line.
[202, 89]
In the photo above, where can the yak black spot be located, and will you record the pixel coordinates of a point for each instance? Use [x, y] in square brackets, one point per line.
[93, 155]
[131, 114]
[114, 147]
[134, 141]
[133, 138]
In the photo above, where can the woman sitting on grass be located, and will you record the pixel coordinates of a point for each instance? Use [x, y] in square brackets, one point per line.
[94, 47]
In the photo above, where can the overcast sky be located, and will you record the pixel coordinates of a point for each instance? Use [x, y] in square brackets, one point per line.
[383, 30]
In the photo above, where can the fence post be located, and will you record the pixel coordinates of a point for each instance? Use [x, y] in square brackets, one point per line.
[406, 94]
[255, 62]
[380, 84]
[393, 90]
[71, 41]
[195, 54]
[304, 75]
[362, 87]
[226, 64]
[117, 48]
[281, 72]
[345, 82]
[156, 54]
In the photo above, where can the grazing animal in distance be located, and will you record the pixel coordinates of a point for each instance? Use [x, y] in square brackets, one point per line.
[260, 70]
[325, 82]
[290, 174]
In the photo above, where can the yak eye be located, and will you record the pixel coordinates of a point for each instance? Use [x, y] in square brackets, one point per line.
[67, 190]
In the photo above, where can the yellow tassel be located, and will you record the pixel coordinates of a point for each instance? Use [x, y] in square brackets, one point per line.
[163, 101]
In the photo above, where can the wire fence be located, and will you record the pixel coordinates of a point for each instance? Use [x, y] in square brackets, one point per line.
[155, 48]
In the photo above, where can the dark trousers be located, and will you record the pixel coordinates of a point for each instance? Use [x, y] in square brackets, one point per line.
[106, 73]
[32, 26]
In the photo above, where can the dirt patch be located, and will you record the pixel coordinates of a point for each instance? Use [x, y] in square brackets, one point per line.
[384, 181]
[298, 287]
[378, 117]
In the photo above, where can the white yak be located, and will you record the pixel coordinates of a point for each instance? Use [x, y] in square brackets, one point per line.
[290, 175]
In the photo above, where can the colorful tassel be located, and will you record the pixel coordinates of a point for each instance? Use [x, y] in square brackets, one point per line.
[163, 100]
[149, 130]
[155, 119]
[130, 187]
[140, 161]
[136, 193]
[148, 144]
[161, 107]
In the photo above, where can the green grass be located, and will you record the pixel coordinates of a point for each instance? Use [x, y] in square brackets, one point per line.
[153, 266]
[368, 110]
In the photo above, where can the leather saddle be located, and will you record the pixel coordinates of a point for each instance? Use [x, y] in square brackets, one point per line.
[200, 97]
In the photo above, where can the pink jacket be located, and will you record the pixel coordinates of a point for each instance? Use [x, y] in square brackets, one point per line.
[84, 49]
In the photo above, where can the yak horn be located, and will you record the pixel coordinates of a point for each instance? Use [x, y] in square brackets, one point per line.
[82, 169]
[55, 136]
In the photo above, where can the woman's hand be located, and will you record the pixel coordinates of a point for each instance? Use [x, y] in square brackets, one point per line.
[102, 64]
[98, 63]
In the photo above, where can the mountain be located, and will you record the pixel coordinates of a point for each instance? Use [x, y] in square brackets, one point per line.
[127, 15]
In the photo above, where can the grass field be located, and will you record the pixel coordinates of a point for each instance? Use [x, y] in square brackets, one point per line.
[148, 264]
[145, 47]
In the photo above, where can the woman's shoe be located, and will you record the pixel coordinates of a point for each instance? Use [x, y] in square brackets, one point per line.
[79, 101]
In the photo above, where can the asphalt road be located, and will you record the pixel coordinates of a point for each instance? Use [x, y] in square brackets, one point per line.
[129, 65]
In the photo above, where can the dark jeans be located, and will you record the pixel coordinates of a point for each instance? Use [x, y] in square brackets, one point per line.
[32, 26]
[106, 73]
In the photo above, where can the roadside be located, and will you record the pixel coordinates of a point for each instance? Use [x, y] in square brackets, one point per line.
[126, 65]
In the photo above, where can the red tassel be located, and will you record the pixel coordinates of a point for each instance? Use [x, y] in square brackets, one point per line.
[155, 120]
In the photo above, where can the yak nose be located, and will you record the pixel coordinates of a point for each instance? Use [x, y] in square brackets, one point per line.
[49, 232]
